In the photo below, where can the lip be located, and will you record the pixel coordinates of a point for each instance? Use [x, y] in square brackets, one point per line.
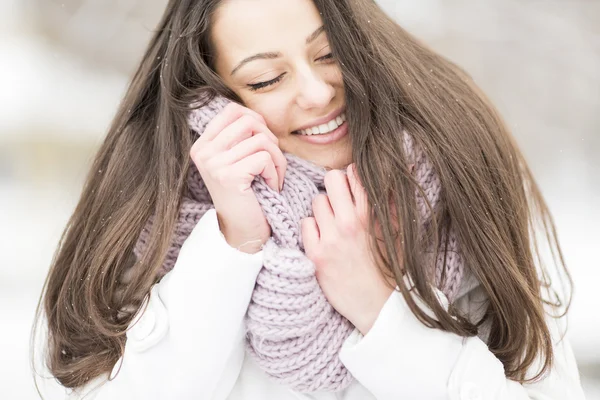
[322, 120]
[326, 138]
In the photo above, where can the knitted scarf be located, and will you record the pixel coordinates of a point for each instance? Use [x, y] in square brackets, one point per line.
[292, 332]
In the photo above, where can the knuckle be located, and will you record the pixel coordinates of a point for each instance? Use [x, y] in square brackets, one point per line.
[203, 152]
[196, 147]
[332, 176]
[334, 173]
[255, 116]
[348, 226]
[264, 156]
[193, 151]
[208, 165]
[220, 176]
[231, 111]
[247, 121]
[330, 242]
[232, 107]
[198, 157]
[315, 256]
[263, 139]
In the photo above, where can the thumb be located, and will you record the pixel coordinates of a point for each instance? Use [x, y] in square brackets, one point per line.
[310, 235]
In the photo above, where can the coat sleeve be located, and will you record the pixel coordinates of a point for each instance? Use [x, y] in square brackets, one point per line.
[187, 339]
[400, 358]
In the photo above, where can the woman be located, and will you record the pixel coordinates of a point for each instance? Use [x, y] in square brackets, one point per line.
[399, 156]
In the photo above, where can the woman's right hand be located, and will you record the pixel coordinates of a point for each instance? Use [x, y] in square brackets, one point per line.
[235, 147]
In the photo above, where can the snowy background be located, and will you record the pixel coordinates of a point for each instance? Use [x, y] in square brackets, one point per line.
[64, 67]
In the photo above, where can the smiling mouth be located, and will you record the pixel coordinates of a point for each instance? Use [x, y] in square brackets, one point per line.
[325, 128]
[328, 138]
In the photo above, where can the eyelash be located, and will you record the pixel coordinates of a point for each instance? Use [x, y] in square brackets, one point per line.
[260, 85]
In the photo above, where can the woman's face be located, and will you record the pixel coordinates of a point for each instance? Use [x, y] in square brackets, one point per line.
[276, 57]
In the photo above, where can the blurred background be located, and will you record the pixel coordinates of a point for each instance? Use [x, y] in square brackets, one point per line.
[65, 65]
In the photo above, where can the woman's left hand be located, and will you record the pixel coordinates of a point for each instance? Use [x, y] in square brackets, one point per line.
[336, 239]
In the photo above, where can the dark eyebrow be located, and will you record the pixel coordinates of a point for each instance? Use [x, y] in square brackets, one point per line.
[261, 56]
[273, 55]
[315, 34]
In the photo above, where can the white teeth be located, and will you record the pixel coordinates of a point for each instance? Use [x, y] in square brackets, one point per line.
[325, 128]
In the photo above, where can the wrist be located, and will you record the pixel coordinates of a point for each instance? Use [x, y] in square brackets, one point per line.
[365, 321]
[237, 241]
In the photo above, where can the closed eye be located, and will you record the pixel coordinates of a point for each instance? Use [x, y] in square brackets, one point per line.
[260, 85]
[326, 57]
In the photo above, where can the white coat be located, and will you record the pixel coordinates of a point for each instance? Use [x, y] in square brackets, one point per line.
[188, 343]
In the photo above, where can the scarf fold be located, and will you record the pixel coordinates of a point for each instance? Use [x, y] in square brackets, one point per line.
[292, 332]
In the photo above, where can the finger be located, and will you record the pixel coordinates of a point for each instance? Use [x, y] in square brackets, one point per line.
[255, 144]
[240, 129]
[358, 192]
[323, 214]
[259, 163]
[229, 114]
[310, 235]
[244, 128]
[339, 193]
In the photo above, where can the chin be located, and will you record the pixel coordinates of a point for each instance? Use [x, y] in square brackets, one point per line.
[337, 161]
[335, 156]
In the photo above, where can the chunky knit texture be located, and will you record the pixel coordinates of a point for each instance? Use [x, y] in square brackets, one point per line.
[292, 332]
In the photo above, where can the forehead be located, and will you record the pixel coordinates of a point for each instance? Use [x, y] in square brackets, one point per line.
[245, 27]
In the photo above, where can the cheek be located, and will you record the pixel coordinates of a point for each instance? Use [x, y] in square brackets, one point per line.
[335, 76]
[275, 110]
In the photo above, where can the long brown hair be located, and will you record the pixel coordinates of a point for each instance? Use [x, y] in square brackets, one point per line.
[392, 82]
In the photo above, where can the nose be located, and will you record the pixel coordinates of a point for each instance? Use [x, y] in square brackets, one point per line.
[314, 91]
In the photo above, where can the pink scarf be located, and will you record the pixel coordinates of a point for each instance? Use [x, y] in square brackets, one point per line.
[292, 332]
